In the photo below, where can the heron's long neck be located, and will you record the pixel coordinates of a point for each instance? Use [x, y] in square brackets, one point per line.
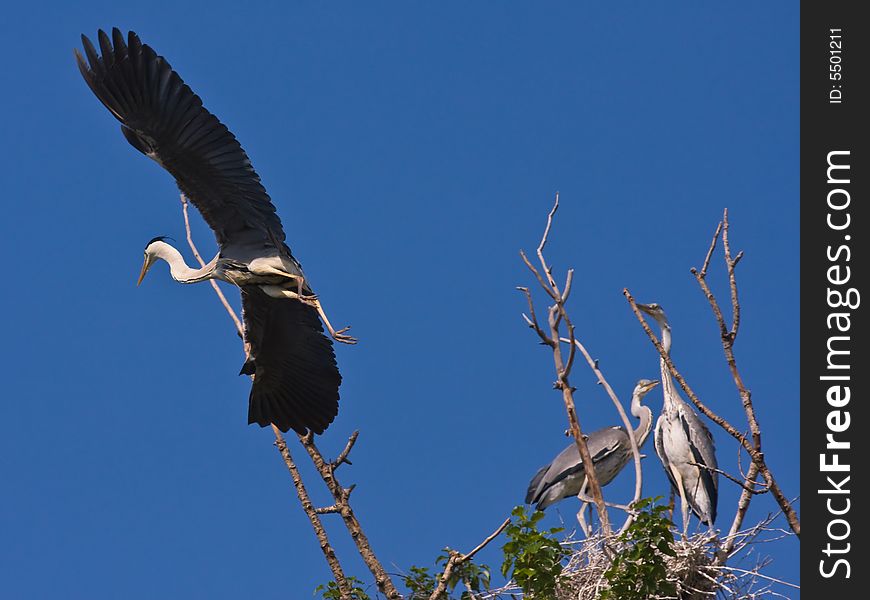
[178, 268]
[643, 413]
[667, 381]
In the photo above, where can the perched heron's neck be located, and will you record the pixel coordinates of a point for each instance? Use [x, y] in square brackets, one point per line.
[643, 413]
[667, 381]
[178, 268]
[666, 337]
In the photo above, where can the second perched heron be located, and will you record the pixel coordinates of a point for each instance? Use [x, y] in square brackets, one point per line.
[683, 443]
[610, 449]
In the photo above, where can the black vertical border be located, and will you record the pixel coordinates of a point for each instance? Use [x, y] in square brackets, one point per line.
[827, 126]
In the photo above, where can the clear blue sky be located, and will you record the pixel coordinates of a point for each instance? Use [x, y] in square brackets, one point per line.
[411, 149]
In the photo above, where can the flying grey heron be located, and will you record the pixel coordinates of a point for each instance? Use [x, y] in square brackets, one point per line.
[609, 447]
[296, 378]
[683, 443]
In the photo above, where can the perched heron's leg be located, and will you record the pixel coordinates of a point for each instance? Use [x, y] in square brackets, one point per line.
[684, 505]
[589, 500]
[581, 514]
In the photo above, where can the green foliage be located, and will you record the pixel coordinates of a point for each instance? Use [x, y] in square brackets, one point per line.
[421, 583]
[330, 591]
[639, 571]
[477, 576]
[533, 558]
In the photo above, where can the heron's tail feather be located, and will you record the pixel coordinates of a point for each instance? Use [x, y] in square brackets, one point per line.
[532, 492]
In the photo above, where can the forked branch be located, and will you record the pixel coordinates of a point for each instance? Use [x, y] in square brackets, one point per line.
[556, 316]
[728, 336]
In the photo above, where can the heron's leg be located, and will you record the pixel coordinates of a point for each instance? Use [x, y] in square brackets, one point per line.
[338, 336]
[589, 500]
[684, 505]
[276, 291]
[581, 514]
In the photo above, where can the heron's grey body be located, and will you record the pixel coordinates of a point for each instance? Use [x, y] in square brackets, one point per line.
[296, 376]
[683, 443]
[610, 449]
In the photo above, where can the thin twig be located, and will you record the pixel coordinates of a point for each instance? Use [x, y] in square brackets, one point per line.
[710, 251]
[457, 558]
[748, 485]
[547, 269]
[740, 514]
[556, 315]
[757, 574]
[201, 262]
[342, 457]
[635, 450]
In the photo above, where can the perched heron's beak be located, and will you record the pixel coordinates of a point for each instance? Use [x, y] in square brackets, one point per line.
[145, 266]
[651, 385]
[645, 308]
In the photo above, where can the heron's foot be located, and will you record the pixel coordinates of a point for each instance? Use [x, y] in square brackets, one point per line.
[339, 336]
[309, 300]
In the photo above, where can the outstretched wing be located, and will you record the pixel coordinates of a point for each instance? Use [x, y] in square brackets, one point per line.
[162, 118]
[296, 377]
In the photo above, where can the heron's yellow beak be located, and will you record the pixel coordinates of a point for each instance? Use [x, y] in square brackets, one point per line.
[145, 266]
[652, 384]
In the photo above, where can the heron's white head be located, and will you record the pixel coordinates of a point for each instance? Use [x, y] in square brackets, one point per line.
[644, 386]
[152, 251]
[655, 311]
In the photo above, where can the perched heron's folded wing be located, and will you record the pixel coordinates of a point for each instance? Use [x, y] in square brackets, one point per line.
[296, 378]
[532, 491]
[704, 453]
[164, 119]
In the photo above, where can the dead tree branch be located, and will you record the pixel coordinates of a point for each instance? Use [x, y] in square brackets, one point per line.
[635, 451]
[308, 507]
[556, 315]
[342, 504]
[728, 337]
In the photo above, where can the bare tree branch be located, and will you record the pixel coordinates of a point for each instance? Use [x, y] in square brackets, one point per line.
[728, 336]
[341, 496]
[635, 451]
[457, 558]
[308, 507]
[556, 315]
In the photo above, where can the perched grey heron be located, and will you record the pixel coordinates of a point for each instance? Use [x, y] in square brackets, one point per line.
[609, 447]
[683, 443]
[296, 378]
